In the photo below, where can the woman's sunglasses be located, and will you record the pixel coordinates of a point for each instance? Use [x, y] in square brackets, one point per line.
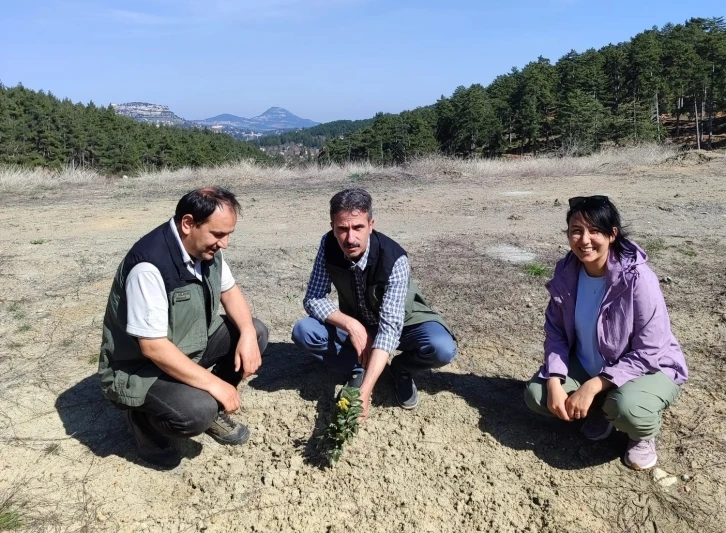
[596, 199]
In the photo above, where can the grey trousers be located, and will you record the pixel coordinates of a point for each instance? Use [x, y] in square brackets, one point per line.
[635, 408]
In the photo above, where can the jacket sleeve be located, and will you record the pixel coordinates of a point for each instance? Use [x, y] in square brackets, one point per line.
[651, 333]
[556, 347]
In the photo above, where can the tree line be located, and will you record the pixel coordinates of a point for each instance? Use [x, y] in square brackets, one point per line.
[38, 129]
[617, 94]
[314, 137]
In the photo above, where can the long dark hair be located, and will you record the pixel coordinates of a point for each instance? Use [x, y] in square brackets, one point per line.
[600, 212]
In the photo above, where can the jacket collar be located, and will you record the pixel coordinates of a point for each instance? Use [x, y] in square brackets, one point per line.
[620, 270]
[178, 254]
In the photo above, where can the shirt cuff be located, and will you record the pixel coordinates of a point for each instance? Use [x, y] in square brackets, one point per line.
[320, 308]
[385, 344]
[146, 333]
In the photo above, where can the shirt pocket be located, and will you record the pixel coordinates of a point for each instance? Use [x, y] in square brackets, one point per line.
[187, 320]
[615, 338]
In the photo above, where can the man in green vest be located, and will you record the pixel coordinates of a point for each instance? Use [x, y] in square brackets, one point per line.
[167, 356]
[380, 308]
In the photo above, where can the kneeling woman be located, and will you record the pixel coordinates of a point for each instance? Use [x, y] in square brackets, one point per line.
[610, 355]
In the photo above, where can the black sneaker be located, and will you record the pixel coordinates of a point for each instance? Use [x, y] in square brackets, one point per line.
[406, 391]
[152, 447]
[226, 431]
[356, 378]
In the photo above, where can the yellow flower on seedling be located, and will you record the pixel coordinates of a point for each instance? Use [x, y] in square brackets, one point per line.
[343, 403]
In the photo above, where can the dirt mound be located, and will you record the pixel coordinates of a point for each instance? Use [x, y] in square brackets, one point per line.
[694, 157]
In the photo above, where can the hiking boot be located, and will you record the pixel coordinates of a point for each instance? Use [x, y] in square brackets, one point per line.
[406, 391]
[356, 378]
[640, 454]
[226, 431]
[597, 427]
[151, 446]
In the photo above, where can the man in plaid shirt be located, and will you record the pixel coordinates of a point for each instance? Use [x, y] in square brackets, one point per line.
[380, 308]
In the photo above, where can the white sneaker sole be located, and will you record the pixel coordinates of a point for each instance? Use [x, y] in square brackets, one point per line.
[636, 466]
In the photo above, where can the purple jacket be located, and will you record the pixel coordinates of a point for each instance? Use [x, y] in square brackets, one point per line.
[633, 327]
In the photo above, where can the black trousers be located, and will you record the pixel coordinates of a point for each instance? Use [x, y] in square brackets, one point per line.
[174, 409]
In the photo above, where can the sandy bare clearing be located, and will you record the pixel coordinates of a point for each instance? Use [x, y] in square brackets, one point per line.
[470, 458]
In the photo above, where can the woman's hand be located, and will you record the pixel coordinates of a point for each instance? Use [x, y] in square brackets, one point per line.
[557, 399]
[579, 402]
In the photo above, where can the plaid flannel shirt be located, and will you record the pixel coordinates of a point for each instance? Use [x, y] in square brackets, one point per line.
[393, 306]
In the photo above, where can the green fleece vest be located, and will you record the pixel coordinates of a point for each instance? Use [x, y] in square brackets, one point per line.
[126, 374]
[382, 255]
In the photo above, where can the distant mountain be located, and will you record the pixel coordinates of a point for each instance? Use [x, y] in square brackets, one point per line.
[151, 113]
[275, 119]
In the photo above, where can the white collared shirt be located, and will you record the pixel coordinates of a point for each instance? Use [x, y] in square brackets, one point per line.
[147, 301]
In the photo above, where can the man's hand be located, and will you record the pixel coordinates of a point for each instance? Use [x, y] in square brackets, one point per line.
[225, 394]
[557, 399]
[247, 354]
[359, 338]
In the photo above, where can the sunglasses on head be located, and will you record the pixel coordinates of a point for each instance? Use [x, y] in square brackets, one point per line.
[596, 199]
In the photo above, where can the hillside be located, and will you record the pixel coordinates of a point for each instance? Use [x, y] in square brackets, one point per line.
[275, 119]
[149, 113]
[655, 87]
[39, 129]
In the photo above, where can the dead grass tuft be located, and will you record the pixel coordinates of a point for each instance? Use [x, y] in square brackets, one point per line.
[427, 169]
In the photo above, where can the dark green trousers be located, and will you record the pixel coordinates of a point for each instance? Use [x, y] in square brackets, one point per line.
[635, 408]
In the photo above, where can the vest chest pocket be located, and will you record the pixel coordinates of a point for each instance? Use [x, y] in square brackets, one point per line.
[187, 319]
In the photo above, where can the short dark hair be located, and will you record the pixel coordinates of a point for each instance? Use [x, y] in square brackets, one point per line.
[201, 203]
[352, 200]
[601, 213]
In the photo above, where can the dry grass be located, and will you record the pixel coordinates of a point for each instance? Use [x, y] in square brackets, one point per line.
[19, 179]
[431, 168]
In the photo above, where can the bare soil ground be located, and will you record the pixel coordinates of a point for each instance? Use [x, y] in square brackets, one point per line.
[471, 458]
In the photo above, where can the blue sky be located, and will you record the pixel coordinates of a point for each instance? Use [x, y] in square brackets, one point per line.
[321, 59]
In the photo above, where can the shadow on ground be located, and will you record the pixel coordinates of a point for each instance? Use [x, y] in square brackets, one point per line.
[91, 419]
[499, 400]
[504, 416]
[285, 367]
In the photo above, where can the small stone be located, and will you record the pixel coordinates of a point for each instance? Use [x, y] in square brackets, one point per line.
[659, 474]
[529, 304]
[100, 516]
[686, 477]
[687, 488]
[668, 482]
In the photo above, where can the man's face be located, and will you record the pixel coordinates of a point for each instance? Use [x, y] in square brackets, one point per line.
[352, 229]
[203, 242]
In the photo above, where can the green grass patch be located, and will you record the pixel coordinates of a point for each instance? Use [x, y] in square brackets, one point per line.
[25, 328]
[38, 241]
[536, 270]
[10, 518]
[355, 176]
[93, 358]
[687, 252]
[654, 246]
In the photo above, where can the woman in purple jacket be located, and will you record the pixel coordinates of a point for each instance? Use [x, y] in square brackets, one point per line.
[610, 356]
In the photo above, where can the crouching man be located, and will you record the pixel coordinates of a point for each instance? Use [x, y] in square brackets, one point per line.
[167, 356]
[380, 309]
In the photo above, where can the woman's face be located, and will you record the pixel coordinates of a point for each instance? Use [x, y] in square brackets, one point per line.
[589, 244]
